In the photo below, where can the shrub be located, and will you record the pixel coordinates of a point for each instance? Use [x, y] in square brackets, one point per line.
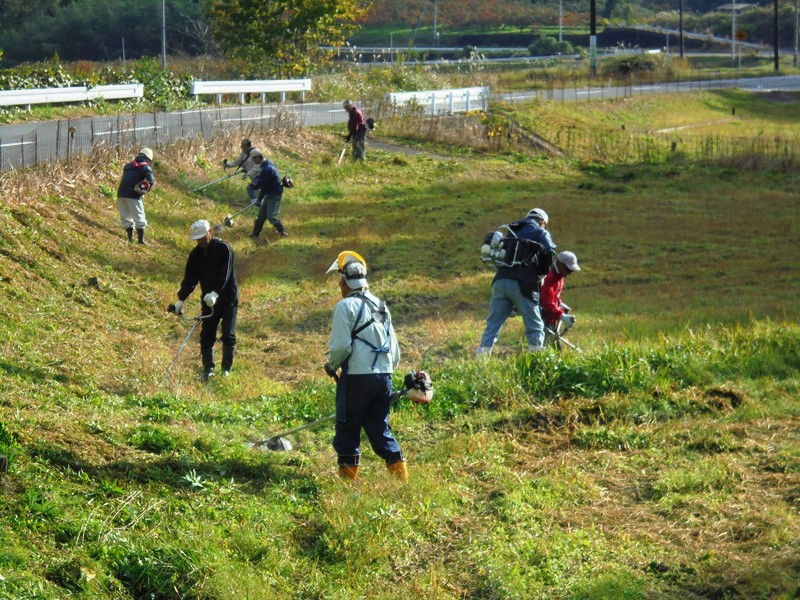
[153, 439]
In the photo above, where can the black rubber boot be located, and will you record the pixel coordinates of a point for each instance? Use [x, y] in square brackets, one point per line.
[207, 355]
[140, 237]
[129, 231]
[227, 359]
[256, 229]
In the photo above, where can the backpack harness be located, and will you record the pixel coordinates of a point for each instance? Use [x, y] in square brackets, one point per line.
[378, 316]
[504, 248]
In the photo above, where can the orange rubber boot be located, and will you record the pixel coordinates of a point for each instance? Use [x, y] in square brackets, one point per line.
[348, 472]
[399, 470]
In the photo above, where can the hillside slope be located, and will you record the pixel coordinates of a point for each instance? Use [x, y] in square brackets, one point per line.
[664, 462]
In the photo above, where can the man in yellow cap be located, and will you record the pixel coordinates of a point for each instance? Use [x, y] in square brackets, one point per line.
[364, 346]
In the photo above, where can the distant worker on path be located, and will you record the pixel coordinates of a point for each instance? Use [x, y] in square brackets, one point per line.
[363, 344]
[357, 130]
[554, 312]
[210, 264]
[270, 194]
[528, 257]
[137, 179]
[244, 163]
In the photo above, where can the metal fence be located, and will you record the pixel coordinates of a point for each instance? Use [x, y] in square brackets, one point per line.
[779, 152]
[25, 145]
[57, 140]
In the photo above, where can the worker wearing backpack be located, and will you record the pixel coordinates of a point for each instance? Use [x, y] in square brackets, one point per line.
[522, 252]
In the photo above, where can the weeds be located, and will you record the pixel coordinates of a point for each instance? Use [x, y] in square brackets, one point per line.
[661, 463]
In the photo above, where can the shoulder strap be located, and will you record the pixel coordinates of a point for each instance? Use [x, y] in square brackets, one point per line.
[381, 308]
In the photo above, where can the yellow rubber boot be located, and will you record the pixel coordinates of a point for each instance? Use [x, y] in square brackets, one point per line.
[348, 472]
[399, 470]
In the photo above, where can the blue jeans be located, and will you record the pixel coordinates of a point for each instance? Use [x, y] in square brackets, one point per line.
[252, 192]
[367, 400]
[359, 146]
[505, 296]
[268, 211]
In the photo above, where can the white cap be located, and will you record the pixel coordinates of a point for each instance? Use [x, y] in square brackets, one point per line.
[538, 214]
[569, 260]
[355, 274]
[255, 152]
[148, 153]
[199, 229]
[347, 104]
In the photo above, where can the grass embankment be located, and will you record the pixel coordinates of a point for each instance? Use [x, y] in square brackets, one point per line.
[664, 462]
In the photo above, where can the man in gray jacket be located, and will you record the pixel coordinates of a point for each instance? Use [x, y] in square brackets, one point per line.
[363, 344]
[244, 163]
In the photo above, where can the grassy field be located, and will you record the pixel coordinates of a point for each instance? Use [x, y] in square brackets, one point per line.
[664, 462]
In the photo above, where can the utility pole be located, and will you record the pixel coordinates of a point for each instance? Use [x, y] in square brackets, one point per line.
[561, 20]
[435, 31]
[680, 24]
[733, 32]
[164, 33]
[775, 29]
[796, 28]
[593, 37]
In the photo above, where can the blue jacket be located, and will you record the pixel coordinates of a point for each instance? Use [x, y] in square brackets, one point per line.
[133, 173]
[529, 275]
[269, 181]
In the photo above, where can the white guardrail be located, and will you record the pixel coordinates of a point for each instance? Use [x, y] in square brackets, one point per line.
[70, 94]
[241, 88]
[444, 99]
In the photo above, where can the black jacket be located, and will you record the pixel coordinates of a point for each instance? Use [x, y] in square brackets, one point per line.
[211, 267]
[133, 173]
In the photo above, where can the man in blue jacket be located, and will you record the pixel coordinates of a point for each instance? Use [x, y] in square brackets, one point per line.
[364, 346]
[210, 264]
[137, 179]
[269, 197]
[517, 285]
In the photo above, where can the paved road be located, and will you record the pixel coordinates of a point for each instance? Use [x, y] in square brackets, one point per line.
[30, 143]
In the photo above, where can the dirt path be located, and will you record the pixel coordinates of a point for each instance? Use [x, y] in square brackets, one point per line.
[693, 125]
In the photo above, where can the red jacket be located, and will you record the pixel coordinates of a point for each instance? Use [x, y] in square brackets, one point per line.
[550, 297]
[356, 123]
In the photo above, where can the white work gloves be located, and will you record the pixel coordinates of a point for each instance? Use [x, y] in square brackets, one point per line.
[568, 321]
[178, 307]
[210, 299]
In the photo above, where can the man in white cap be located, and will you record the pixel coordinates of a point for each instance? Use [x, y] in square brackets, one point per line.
[554, 312]
[538, 215]
[210, 264]
[357, 130]
[364, 346]
[137, 179]
[517, 286]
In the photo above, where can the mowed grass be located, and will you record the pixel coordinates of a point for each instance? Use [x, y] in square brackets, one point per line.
[665, 462]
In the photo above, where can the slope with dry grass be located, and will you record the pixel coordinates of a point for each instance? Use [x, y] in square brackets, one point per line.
[664, 462]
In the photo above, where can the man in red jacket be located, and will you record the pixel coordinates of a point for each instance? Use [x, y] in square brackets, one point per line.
[356, 128]
[554, 311]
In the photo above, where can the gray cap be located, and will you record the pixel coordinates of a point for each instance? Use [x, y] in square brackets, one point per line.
[355, 274]
[569, 260]
[199, 229]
